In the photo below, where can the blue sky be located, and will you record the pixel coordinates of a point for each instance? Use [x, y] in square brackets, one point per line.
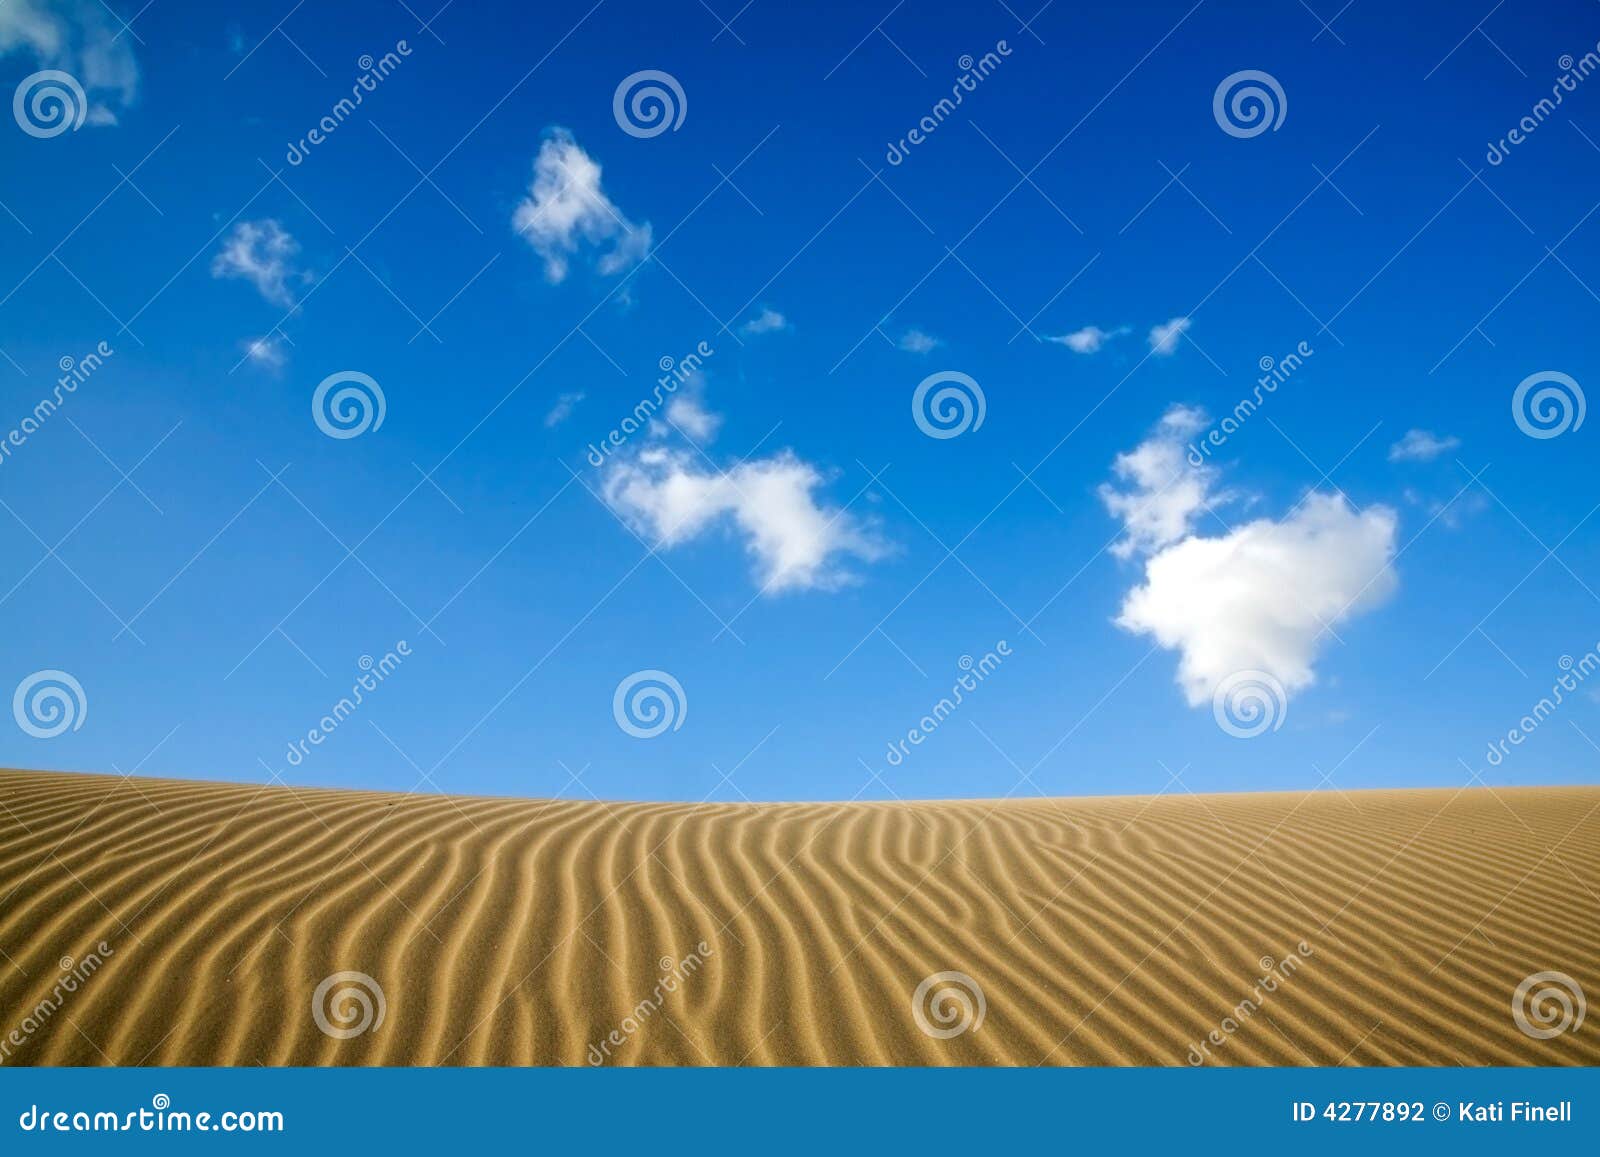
[783, 548]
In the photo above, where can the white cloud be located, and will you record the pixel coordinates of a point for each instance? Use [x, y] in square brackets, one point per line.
[1164, 338]
[565, 205]
[1260, 598]
[768, 320]
[1087, 340]
[266, 352]
[1168, 493]
[562, 409]
[1257, 598]
[78, 37]
[795, 541]
[914, 341]
[262, 253]
[688, 414]
[1452, 514]
[1422, 446]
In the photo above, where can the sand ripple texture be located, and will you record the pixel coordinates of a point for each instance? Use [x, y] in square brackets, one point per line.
[147, 921]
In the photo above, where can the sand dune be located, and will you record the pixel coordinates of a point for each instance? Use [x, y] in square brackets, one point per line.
[166, 922]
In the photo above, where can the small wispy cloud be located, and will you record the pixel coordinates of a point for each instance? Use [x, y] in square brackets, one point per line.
[262, 253]
[566, 206]
[77, 37]
[1164, 338]
[1422, 446]
[768, 320]
[1452, 514]
[1165, 495]
[562, 409]
[1088, 340]
[266, 352]
[914, 341]
[687, 413]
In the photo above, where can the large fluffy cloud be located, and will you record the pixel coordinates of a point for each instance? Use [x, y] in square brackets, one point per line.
[565, 205]
[78, 37]
[1260, 597]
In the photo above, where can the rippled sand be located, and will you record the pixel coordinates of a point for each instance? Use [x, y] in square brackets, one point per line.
[167, 922]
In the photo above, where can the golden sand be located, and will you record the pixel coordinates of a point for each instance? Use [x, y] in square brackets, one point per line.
[196, 922]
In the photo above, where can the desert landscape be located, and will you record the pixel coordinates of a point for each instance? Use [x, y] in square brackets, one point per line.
[165, 922]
